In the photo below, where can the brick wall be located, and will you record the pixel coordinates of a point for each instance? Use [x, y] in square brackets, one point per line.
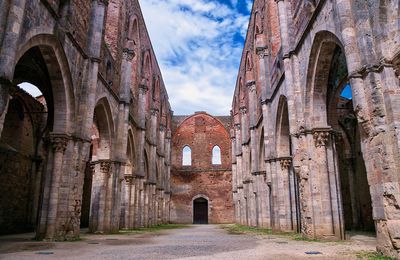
[201, 132]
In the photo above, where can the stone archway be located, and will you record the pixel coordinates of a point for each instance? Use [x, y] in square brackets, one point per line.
[101, 168]
[286, 199]
[327, 172]
[42, 63]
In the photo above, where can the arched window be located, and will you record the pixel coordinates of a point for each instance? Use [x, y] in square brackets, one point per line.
[186, 156]
[216, 155]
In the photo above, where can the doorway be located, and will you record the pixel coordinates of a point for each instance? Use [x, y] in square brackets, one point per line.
[200, 211]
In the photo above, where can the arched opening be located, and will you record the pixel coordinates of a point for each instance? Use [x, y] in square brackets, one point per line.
[288, 183]
[200, 211]
[97, 171]
[216, 155]
[261, 153]
[127, 193]
[186, 156]
[330, 107]
[39, 83]
[356, 198]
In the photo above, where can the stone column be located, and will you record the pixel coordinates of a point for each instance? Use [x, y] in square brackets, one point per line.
[8, 52]
[321, 186]
[59, 143]
[128, 202]
[289, 199]
[141, 120]
[99, 195]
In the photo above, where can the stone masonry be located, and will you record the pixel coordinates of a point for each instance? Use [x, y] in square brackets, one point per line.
[93, 151]
[305, 156]
[201, 133]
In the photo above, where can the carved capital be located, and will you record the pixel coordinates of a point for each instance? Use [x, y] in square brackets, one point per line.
[238, 126]
[243, 110]
[285, 163]
[143, 89]
[105, 166]
[104, 2]
[128, 54]
[251, 85]
[162, 127]
[128, 178]
[59, 142]
[154, 111]
[92, 168]
[262, 52]
[321, 138]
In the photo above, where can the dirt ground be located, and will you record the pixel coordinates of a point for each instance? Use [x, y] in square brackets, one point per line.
[192, 242]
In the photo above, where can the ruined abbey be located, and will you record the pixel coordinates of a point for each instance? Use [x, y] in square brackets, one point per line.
[312, 144]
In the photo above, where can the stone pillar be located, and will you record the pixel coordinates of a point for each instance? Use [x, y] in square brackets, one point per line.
[375, 93]
[139, 201]
[141, 120]
[321, 186]
[59, 143]
[128, 211]
[98, 200]
[8, 51]
[288, 195]
[251, 86]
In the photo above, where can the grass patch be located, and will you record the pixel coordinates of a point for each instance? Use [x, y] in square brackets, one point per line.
[372, 255]
[239, 229]
[152, 229]
[236, 229]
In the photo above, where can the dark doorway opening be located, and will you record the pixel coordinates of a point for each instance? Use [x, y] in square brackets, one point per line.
[200, 211]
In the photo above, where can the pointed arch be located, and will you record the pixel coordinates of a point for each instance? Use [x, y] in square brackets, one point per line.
[283, 146]
[321, 56]
[131, 154]
[132, 40]
[262, 151]
[186, 156]
[58, 89]
[216, 155]
[104, 124]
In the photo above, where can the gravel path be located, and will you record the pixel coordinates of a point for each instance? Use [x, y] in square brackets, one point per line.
[193, 242]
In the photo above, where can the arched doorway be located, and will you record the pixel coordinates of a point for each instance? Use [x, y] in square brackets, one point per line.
[200, 211]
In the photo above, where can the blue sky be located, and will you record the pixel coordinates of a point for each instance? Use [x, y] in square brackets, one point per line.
[198, 44]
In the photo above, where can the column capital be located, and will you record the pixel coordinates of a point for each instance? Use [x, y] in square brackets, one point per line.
[59, 142]
[105, 166]
[143, 89]
[154, 111]
[104, 2]
[243, 110]
[162, 127]
[238, 126]
[262, 52]
[321, 136]
[251, 85]
[128, 178]
[285, 162]
[128, 54]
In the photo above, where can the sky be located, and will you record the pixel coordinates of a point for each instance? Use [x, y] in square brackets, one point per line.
[198, 45]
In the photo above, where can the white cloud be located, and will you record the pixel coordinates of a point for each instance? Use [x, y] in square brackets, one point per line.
[195, 47]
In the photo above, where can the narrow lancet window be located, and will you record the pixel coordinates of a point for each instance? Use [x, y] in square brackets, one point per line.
[186, 156]
[216, 155]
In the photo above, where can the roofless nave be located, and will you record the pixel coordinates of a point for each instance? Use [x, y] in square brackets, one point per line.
[95, 149]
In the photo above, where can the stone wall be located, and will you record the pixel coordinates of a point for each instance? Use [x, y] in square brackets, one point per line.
[95, 66]
[201, 132]
[288, 130]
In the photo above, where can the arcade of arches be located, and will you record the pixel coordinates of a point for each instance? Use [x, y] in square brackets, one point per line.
[312, 144]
